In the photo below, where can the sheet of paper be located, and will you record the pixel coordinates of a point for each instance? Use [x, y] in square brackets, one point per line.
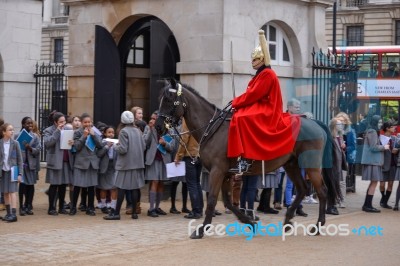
[175, 170]
[66, 136]
[115, 141]
[97, 131]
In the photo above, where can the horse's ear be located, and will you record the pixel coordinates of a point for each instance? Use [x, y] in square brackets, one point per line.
[173, 83]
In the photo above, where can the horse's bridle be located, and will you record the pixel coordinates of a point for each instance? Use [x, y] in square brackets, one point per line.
[169, 120]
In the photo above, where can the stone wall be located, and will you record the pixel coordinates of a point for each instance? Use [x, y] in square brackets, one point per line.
[20, 27]
[204, 31]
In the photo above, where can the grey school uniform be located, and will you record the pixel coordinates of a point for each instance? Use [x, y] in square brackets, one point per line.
[59, 165]
[389, 164]
[86, 163]
[107, 168]
[155, 168]
[129, 164]
[372, 157]
[271, 180]
[397, 174]
[31, 159]
[14, 159]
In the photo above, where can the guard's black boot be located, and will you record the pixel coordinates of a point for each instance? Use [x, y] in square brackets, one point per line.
[242, 166]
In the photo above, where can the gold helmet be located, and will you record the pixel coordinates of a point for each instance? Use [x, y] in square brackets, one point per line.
[261, 51]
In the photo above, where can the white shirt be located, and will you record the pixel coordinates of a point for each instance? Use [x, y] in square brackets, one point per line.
[6, 146]
[384, 139]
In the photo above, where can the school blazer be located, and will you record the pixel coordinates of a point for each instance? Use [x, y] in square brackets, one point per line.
[151, 139]
[130, 149]
[32, 156]
[104, 159]
[84, 157]
[389, 159]
[372, 149]
[14, 156]
[55, 155]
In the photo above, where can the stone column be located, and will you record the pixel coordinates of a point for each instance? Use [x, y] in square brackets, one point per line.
[47, 11]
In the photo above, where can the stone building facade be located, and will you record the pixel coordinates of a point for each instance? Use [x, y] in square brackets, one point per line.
[365, 23]
[118, 49]
[55, 39]
[20, 27]
[370, 23]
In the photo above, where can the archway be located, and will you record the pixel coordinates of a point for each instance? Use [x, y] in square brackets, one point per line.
[127, 74]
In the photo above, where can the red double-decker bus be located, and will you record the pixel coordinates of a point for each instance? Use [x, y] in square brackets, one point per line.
[378, 90]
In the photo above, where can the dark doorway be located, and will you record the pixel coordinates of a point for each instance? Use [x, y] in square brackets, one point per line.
[126, 74]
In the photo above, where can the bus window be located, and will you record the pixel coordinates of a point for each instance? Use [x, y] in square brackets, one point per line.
[368, 66]
[390, 66]
[390, 110]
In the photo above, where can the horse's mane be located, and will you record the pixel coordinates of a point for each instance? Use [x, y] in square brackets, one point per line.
[192, 90]
[169, 95]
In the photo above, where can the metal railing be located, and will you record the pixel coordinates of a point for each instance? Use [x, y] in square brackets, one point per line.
[51, 94]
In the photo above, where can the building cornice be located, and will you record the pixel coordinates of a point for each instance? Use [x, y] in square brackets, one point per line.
[79, 2]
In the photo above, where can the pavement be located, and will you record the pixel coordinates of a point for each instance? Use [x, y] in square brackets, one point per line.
[41, 239]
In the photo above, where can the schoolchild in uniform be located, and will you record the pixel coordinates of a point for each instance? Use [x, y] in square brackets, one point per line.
[129, 164]
[10, 156]
[271, 180]
[59, 163]
[107, 171]
[156, 171]
[86, 164]
[389, 163]
[372, 161]
[31, 159]
[137, 112]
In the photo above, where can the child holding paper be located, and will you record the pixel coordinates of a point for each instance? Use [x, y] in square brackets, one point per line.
[107, 170]
[129, 164]
[30, 158]
[86, 165]
[11, 169]
[158, 154]
[59, 163]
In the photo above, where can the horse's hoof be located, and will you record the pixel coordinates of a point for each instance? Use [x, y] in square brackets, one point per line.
[196, 236]
[314, 231]
[287, 229]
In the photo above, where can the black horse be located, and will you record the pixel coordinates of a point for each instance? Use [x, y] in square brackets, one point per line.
[209, 126]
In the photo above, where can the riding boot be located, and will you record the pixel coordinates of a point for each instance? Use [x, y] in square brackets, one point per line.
[251, 214]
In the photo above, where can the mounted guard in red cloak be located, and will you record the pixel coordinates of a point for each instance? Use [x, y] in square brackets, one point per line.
[259, 129]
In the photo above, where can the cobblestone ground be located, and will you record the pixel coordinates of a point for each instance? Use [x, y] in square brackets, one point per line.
[42, 240]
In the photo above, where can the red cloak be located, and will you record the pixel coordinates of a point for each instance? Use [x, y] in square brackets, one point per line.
[259, 129]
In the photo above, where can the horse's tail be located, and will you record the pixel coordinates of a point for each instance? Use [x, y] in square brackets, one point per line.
[331, 181]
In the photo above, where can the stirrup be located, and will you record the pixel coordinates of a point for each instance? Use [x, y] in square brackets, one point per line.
[242, 166]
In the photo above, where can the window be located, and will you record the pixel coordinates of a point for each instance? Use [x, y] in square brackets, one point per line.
[138, 54]
[279, 46]
[58, 50]
[352, 3]
[355, 35]
[397, 36]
